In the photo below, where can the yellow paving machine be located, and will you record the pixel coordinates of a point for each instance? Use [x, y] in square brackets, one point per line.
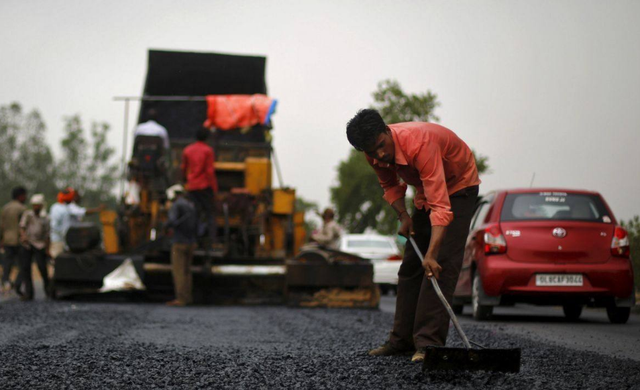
[258, 255]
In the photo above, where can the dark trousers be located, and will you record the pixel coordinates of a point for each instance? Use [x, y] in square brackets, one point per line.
[181, 259]
[27, 256]
[204, 201]
[11, 254]
[420, 319]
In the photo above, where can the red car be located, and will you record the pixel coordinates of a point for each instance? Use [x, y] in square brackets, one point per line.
[548, 247]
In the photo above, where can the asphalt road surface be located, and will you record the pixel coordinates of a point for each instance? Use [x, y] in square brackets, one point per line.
[592, 332]
[73, 344]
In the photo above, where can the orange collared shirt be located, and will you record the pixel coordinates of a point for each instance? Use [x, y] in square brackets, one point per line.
[434, 160]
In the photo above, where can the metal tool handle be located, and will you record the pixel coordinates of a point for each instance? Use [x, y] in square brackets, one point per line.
[442, 299]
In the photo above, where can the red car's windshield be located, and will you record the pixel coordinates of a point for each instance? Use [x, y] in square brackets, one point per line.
[554, 206]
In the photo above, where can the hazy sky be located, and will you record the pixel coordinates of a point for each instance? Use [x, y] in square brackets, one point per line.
[551, 87]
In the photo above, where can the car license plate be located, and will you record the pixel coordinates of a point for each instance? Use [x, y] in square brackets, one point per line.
[558, 280]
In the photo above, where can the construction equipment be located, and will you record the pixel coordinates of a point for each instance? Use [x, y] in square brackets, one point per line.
[466, 359]
[322, 277]
[259, 231]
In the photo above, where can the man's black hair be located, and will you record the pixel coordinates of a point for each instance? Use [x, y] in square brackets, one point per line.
[18, 192]
[152, 114]
[202, 134]
[364, 128]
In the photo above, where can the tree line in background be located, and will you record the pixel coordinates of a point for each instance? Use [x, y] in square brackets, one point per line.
[85, 163]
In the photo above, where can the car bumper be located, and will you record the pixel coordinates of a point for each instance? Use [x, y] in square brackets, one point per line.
[501, 276]
[386, 272]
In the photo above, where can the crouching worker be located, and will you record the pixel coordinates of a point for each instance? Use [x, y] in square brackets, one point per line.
[183, 223]
[442, 169]
[34, 237]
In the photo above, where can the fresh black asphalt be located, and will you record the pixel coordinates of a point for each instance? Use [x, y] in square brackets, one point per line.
[83, 345]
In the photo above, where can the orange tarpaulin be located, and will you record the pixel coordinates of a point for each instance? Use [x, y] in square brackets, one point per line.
[226, 112]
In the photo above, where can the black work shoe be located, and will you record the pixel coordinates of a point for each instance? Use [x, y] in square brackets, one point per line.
[418, 356]
[387, 349]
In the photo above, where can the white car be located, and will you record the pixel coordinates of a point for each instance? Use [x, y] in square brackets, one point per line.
[383, 252]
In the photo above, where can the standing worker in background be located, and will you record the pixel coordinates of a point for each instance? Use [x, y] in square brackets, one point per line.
[329, 234]
[34, 236]
[152, 128]
[183, 222]
[60, 221]
[199, 175]
[442, 169]
[10, 233]
[62, 215]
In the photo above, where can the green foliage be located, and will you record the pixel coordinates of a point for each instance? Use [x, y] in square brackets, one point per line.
[358, 196]
[482, 162]
[396, 106]
[86, 165]
[26, 159]
[633, 228]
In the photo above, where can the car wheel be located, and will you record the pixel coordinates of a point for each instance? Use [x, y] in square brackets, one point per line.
[480, 312]
[618, 315]
[457, 309]
[384, 290]
[572, 312]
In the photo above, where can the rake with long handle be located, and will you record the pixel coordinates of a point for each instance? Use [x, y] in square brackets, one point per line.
[466, 359]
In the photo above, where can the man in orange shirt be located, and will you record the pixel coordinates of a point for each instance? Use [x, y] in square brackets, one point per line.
[198, 171]
[442, 169]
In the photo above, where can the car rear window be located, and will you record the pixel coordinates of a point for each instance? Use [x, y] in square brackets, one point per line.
[554, 206]
[376, 244]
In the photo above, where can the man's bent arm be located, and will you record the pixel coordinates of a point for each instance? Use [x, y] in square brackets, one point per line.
[388, 179]
[406, 224]
[399, 206]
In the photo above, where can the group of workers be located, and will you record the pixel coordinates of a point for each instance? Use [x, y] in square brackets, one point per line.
[427, 156]
[32, 235]
[442, 169]
[191, 216]
[195, 203]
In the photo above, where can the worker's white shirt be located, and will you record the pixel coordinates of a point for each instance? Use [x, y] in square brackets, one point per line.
[62, 217]
[132, 193]
[152, 128]
[77, 212]
[329, 235]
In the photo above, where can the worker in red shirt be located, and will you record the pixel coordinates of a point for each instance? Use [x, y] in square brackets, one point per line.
[199, 174]
[442, 169]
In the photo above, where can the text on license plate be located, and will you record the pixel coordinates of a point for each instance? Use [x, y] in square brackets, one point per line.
[558, 280]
